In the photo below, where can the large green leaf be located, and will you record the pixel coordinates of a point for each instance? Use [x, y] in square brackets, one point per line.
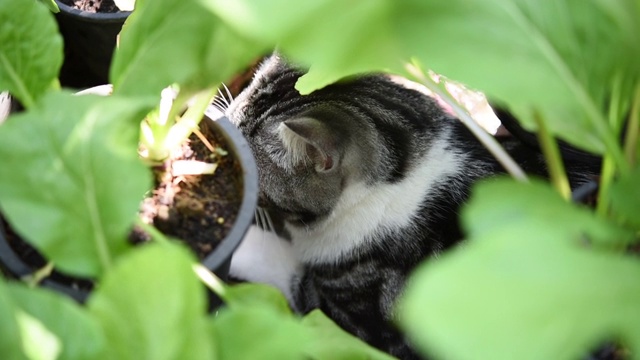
[559, 59]
[531, 206]
[152, 306]
[258, 332]
[166, 42]
[330, 342]
[337, 38]
[254, 294]
[78, 334]
[71, 180]
[30, 49]
[527, 284]
[10, 337]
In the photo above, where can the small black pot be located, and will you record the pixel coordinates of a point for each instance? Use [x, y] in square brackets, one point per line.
[218, 261]
[89, 42]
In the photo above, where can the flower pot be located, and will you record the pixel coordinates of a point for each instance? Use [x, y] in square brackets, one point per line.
[89, 42]
[217, 261]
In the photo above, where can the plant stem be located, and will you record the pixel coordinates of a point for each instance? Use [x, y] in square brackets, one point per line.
[608, 171]
[487, 140]
[551, 153]
[210, 279]
[577, 89]
[633, 128]
[36, 277]
[190, 120]
[178, 104]
[606, 177]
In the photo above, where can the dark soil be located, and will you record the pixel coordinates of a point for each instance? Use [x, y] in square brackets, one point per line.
[94, 6]
[200, 210]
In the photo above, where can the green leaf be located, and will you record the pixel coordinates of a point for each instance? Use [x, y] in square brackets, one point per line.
[38, 342]
[531, 206]
[10, 335]
[30, 50]
[258, 333]
[254, 295]
[151, 306]
[329, 341]
[571, 49]
[625, 198]
[335, 37]
[166, 42]
[524, 286]
[71, 180]
[78, 334]
[563, 59]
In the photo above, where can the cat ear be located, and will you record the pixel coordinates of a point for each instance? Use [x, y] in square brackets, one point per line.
[309, 138]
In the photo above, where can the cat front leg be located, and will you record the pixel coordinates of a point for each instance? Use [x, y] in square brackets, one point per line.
[264, 257]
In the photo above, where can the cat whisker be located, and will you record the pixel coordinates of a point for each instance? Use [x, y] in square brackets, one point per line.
[257, 218]
[219, 108]
[223, 97]
[272, 228]
[265, 219]
[228, 92]
[220, 103]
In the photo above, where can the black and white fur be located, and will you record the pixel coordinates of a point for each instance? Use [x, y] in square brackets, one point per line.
[368, 176]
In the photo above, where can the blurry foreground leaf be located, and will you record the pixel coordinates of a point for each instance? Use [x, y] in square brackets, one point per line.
[526, 285]
[166, 42]
[62, 317]
[330, 342]
[625, 198]
[151, 306]
[73, 160]
[30, 50]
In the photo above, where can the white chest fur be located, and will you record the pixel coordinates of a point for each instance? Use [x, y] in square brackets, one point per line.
[364, 213]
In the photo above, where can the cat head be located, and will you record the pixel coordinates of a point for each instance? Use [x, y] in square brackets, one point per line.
[310, 148]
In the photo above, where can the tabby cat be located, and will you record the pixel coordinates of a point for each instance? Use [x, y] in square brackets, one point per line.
[368, 176]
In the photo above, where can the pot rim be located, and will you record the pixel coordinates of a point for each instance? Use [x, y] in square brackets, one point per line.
[240, 147]
[116, 17]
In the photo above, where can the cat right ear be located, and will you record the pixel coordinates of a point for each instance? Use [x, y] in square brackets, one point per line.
[309, 139]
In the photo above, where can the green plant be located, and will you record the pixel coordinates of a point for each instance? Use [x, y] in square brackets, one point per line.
[74, 192]
[539, 277]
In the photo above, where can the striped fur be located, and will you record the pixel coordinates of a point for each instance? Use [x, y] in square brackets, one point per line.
[368, 176]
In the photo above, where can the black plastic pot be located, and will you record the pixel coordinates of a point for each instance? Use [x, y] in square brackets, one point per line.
[218, 261]
[89, 41]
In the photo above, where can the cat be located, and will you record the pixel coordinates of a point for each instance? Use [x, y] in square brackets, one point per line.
[368, 176]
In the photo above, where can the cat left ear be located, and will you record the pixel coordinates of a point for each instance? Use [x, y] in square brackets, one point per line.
[309, 138]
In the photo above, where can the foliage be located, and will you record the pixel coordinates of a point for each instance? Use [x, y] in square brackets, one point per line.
[74, 174]
[515, 292]
[152, 306]
[537, 278]
[74, 192]
[30, 50]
